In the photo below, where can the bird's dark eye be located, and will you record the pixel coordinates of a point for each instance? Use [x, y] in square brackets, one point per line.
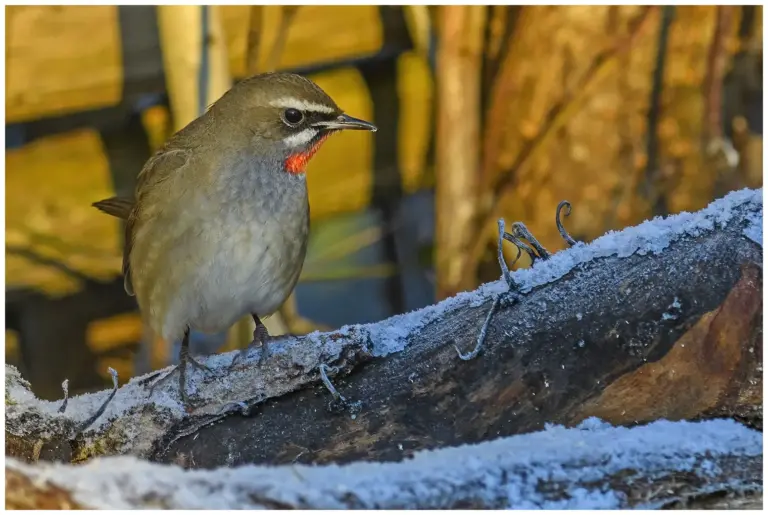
[293, 116]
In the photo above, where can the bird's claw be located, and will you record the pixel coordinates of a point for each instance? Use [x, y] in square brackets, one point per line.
[260, 338]
[184, 360]
[196, 364]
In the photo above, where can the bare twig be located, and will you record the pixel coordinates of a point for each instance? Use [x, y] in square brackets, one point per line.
[567, 237]
[502, 263]
[65, 388]
[103, 407]
[483, 332]
[327, 382]
[518, 230]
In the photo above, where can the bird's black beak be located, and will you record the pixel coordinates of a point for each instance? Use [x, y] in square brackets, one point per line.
[345, 121]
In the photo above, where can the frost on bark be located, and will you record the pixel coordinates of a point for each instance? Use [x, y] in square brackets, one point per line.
[659, 321]
[591, 466]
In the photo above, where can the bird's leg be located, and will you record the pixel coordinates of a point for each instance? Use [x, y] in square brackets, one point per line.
[260, 337]
[184, 358]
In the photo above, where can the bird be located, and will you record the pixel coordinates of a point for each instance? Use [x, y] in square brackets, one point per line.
[219, 222]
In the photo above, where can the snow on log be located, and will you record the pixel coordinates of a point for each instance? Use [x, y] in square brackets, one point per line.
[591, 466]
[658, 321]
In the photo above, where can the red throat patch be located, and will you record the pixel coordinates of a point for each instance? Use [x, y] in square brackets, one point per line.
[297, 163]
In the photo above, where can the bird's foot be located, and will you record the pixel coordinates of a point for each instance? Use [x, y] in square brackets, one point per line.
[184, 359]
[260, 338]
[196, 364]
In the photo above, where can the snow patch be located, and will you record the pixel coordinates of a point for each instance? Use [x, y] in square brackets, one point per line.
[20, 399]
[754, 231]
[552, 469]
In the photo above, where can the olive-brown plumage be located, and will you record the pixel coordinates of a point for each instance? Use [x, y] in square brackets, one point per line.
[220, 221]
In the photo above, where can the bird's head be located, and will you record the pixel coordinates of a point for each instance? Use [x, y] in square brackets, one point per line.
[287, 116]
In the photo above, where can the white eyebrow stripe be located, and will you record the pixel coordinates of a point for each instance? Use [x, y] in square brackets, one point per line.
[300, 138]
[301, 105]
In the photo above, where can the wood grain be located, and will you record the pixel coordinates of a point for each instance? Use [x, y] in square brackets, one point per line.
[695, 375]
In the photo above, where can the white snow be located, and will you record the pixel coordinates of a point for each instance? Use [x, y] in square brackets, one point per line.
[754, 231]
[511, 470]
[81, 407]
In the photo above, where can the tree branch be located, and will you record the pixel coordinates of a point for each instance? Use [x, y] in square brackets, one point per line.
[662, 320]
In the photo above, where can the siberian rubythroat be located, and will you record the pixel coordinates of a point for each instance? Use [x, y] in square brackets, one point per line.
[219, 225]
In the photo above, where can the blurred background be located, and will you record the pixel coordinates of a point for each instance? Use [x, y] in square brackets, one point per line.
[628, 112]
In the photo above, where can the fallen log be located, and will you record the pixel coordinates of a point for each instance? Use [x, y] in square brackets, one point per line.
[593, 466]
[662, 320]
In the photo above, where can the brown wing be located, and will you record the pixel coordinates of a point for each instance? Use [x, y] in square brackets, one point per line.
[167, 161]
[121, 208]
[128, 243]
[158, 168]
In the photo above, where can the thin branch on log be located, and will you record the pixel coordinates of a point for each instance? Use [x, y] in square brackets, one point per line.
[662, 320]
[589, 467]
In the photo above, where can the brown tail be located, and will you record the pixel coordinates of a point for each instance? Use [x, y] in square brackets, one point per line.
[115, 206]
